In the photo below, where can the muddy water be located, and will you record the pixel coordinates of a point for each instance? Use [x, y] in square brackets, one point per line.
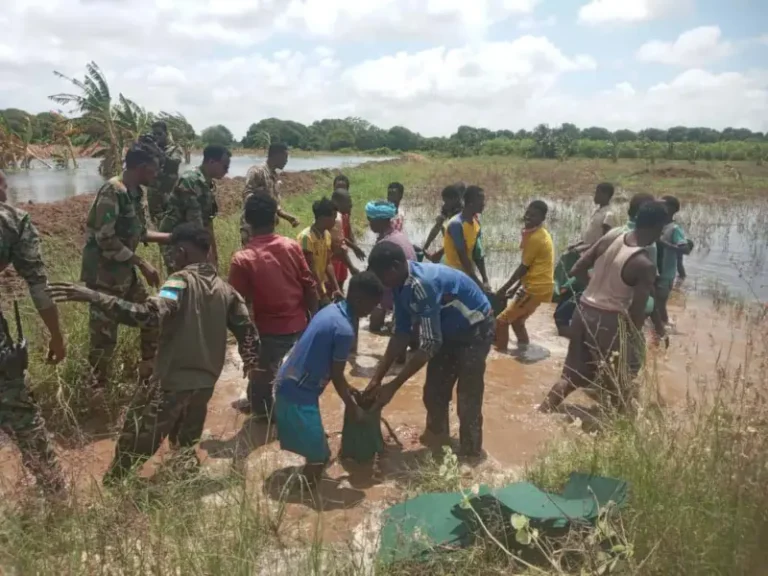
[709, 341]
[46, 185]
[730, 256]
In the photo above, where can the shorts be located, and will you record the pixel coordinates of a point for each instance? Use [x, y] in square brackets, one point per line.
[522, 306]
[605, 348]
[300, 430]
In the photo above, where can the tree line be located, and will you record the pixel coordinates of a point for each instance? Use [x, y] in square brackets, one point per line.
[102, 125]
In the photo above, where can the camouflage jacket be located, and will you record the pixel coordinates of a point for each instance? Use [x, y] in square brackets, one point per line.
[261, 179]
[193, 311]
[116, 224]
[159, 191]
[192, 200]
[20, 246]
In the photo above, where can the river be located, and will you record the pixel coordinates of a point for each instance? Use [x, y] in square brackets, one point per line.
[46, 185]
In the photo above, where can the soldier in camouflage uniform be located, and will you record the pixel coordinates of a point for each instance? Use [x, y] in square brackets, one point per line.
[20, 417]
[115, 226]
[159, 191]
[263, 179]
[193, 200]
[193, 311]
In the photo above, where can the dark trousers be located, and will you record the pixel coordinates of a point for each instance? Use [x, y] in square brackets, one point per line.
[261, 383]
[153, 415]
[460, 360]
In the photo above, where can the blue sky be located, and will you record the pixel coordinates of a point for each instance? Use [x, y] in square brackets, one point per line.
[430, 65]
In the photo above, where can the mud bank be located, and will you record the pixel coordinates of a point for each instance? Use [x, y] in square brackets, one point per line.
[65, 219]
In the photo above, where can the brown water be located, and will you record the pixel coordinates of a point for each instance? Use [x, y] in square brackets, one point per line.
[515, 433]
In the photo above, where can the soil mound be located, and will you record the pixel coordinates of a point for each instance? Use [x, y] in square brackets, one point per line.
[677, 172]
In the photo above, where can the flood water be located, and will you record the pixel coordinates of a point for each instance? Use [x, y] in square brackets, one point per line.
[45, 185]
[729, 258]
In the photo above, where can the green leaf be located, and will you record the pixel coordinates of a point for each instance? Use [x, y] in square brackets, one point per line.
[523, 537]
[519, 522]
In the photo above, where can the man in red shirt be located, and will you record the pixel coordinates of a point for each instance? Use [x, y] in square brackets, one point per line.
[273, 277]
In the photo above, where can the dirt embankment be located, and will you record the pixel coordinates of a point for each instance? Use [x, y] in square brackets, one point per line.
[66, 218]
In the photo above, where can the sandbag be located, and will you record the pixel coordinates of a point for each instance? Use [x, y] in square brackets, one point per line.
[362, 439]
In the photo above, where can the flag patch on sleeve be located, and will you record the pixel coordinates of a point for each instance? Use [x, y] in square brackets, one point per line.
[169, 294]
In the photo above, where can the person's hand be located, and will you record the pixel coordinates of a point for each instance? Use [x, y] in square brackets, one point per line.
[337, 295]
[68, 292]
[372, 387]
[384, 396]
[358, 252]
[486, 288]
[149, 272]
[57, 350]
[512, 292]
[293, 221]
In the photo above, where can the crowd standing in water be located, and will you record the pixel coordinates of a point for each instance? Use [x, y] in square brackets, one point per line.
[296, 329]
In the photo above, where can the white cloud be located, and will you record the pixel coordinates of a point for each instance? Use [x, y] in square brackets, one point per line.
[432, 66]
[693, 98]
[531, 23]
[631, 11]
[695, 47]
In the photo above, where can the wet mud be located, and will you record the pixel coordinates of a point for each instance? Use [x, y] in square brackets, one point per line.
[707, 342]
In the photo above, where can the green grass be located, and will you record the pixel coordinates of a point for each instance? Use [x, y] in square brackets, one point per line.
[698, 499]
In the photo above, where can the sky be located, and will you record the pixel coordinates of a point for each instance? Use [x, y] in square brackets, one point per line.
[429, 65]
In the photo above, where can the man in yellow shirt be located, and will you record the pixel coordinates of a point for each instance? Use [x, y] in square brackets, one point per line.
[462, 239]
[535, 273]
[316, 244]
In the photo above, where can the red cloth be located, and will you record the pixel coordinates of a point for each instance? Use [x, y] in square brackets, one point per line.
[272, 273]
[339, 267]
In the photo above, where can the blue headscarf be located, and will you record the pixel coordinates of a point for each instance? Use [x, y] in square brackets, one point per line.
[379, 210]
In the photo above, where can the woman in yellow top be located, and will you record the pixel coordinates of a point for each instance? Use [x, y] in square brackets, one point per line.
[462, 240]
[316, 244]
[535, 273]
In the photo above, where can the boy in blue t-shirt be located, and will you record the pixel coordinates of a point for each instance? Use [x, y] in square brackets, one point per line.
[318, 357]
[671, 244]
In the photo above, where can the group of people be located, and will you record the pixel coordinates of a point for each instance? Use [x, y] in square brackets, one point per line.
[294, 306]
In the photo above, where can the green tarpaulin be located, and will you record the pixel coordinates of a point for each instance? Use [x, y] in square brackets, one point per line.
[432, 522]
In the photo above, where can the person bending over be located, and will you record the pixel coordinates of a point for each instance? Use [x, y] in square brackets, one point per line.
[318, 357]
[456, 331]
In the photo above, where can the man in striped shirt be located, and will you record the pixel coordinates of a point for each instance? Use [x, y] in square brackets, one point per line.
[456, 330]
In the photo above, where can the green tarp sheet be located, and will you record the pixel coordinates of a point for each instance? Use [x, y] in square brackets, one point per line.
[431, 522]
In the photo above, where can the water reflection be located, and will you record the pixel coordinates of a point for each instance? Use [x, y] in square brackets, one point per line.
[731, 240]
[45, 185]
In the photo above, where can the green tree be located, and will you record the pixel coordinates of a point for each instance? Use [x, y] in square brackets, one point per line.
[107, 127]
[181, 131]
[596, 133]
[217, 134]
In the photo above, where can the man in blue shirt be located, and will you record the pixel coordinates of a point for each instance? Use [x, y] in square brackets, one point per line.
[456, 330]
[321, 355]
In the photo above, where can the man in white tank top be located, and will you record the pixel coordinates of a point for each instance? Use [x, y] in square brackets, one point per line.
[606, 344]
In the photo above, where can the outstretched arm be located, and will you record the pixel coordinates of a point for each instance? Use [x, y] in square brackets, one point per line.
[240, 324]
[436, 228]
[148, 314]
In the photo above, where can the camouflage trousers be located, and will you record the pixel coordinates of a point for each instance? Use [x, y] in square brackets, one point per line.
[21, 420]
[154, 415]
[463, 361]
[103, 334]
